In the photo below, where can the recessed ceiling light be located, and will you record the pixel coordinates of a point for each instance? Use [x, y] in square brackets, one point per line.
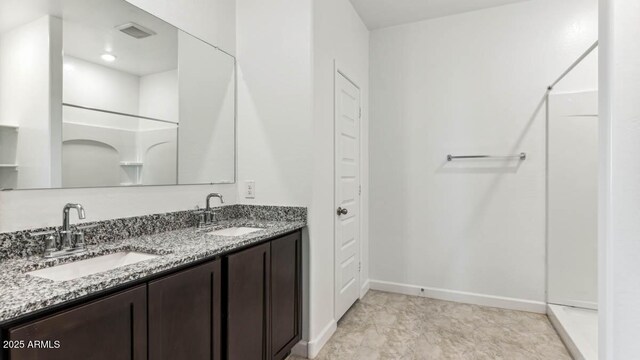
[108, 57]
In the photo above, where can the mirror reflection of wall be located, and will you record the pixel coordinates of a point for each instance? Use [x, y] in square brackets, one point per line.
[207, 86]
[27, 87]
[142, 152]
[131, 101]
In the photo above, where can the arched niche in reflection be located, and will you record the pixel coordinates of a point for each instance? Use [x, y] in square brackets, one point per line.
[89, 163]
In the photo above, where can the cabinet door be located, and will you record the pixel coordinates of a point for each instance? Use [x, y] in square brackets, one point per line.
[248, 304]
[185, 314]
[112, 328]
[285, 294]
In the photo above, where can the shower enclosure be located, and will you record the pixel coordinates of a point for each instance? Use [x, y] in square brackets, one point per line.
[572, 201]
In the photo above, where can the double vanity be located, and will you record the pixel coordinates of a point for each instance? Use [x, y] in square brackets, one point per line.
[121, 98]
[158, 287]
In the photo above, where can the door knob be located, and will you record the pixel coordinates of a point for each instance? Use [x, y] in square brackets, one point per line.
[342, 211]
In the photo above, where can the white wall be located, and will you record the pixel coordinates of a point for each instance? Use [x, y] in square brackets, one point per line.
[25, 96]
[96, 86]
[93, 85]
[158, 149]
[213, 21]
[467, 84]
[339, 35]
[157, 141]
[274, 100]
[619, 186]
[90, 163]
[285, 122]
[134, 140]
[274, 75]
[207, 113]
[159, 97]
[101, 203]
[109, 203]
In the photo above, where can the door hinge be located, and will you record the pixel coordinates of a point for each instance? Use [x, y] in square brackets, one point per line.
[359, 189]
[359, 266]
[360, 114]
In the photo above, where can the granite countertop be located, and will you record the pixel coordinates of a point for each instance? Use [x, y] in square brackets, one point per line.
[22, 294]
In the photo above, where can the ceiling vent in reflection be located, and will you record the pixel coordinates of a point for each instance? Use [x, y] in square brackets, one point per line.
[135, 30]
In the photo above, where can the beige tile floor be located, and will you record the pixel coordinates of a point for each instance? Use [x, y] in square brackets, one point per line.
[392, 326]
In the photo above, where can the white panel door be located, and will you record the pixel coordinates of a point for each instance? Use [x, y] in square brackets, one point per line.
[573, 200]
[347, 194]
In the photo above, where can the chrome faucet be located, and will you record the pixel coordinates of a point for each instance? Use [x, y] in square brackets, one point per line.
[212, 195]
[207, 216]
[68, 237]
[65, 242]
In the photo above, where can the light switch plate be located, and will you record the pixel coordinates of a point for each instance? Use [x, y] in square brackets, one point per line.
[250, 189]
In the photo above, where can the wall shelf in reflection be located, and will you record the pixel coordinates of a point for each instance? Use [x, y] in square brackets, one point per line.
[9, 127]
[8, 149]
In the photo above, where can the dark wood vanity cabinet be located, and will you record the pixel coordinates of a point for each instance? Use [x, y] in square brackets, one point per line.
[248, 283]
[243, 306]
[185, 314]
[286, 293]
[264, 300]
[112, 328]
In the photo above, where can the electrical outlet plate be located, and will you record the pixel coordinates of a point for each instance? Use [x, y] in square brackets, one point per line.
[250, 189]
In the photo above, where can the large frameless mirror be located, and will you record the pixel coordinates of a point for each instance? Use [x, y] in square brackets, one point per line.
[100, 93]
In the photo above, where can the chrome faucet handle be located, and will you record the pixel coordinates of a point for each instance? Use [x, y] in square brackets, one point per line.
[51, 244]
[51, 241]
[201, 218]
[78, 240]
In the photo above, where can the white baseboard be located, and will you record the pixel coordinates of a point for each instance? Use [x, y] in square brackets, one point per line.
[461, 296]
[301, 349]
[365, 288]
[314, 346]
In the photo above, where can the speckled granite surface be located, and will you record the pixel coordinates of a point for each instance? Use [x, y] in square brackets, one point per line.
[21, 294]
[20, 244]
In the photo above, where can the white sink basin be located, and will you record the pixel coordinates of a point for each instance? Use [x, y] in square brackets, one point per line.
[234, 231]
[91, 266]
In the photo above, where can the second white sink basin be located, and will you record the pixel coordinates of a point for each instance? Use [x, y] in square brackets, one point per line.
[234, 231]
[91, 266]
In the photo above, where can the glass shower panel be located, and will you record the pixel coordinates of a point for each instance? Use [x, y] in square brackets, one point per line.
[573, 199]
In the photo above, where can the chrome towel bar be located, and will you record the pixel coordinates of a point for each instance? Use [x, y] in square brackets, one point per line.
[521, 156]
